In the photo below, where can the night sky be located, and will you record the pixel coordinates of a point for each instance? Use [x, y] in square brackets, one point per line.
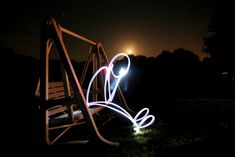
[144, 27]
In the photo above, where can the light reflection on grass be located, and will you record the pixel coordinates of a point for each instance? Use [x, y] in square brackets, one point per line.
[143, 135]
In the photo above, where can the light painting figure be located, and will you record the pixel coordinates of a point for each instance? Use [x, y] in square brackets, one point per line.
[138, 121]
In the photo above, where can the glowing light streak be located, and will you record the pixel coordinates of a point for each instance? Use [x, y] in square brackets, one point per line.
[138, 121]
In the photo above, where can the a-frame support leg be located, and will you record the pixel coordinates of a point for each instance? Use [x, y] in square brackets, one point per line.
[52, 31]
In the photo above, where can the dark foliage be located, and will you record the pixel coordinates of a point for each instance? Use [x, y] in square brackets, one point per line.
[220, 43]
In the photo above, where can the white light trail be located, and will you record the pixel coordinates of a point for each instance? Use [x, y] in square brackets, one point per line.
[139, 122]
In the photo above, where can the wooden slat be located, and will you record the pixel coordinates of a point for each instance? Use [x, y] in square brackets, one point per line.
[56, 89]
[57, 110]
[55, 95]
[56, 84]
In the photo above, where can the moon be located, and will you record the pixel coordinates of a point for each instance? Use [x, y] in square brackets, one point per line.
[130, 51]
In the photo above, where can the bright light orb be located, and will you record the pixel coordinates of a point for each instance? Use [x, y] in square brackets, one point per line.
[122, 72]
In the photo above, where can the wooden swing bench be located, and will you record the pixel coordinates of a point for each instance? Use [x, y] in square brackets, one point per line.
[63, 104]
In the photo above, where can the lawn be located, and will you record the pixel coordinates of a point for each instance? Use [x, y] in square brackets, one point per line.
[187, 127]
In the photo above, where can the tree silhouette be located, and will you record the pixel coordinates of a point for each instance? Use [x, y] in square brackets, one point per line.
[219, 45]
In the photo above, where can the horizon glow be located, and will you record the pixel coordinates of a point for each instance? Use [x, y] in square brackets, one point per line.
[138, 121]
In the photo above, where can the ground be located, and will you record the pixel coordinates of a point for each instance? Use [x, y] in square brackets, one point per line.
[186, 127]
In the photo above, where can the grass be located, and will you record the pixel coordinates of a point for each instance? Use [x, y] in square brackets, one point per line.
[191, 127]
